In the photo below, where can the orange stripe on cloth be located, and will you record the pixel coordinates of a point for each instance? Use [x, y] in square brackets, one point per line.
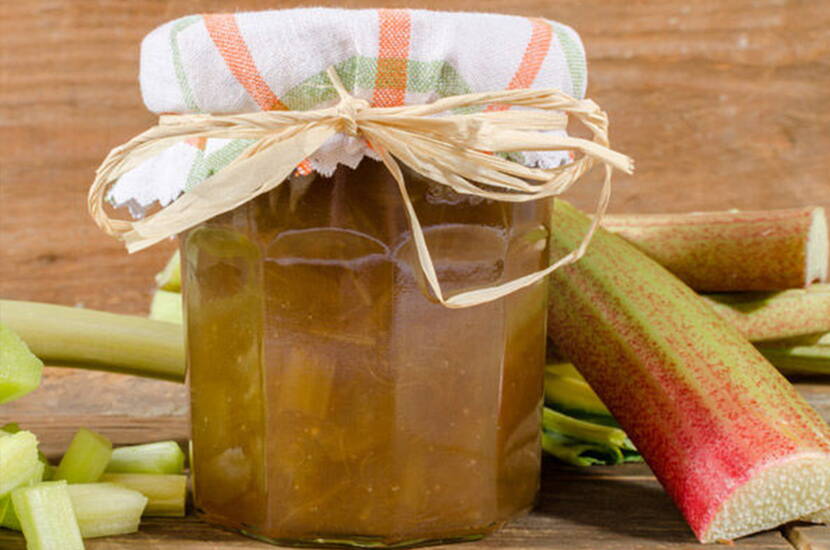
[224, 32]
[304, 168]
[198, 143]
[393, 58]
[541, 34]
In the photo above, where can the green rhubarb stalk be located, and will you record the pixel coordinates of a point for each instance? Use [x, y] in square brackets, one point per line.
[554, 421]
[163, 457]
[76, 337]
[86, 458]
[574, 397]
[13, 428]
[8, 517]
[20, 370]
[18, 460]
[762, 316]
[166, 306]
[560, 367]
[7, 510]
[580, 453]
[106, 509]
[733, 443]
[584, 443]
[797, 359]
[733, 251]
[170, 278]
[47, 518]
[166, 493]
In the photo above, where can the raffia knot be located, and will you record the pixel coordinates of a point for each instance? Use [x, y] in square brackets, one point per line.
[455, 150]
[347, 110]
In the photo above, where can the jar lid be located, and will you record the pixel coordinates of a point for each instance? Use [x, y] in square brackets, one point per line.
[274, 60]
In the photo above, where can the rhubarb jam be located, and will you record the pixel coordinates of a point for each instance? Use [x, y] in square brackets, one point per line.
[333, 401]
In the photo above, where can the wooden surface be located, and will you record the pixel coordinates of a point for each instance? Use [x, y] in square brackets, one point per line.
[613, 508]
[723, 104]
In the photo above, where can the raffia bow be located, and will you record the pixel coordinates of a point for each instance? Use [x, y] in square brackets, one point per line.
[451, 150]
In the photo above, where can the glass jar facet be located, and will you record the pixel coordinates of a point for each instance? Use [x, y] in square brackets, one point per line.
[332, 401]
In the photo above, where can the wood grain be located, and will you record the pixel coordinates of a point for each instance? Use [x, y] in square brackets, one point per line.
[722, 104]
[812, 537]
[616, 508]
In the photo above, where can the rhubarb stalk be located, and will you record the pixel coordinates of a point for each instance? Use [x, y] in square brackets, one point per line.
[161, 457]
[106, 509]
[20, 370]
[86, 458]
[47, 518]
[166, 493]
[77, 337]
[733, 443]
[761, 316]
[805, 355]
[733, 251]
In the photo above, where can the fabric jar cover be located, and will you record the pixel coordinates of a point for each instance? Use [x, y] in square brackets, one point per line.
[243, 62]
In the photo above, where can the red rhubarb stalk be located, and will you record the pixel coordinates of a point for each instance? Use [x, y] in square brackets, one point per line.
[733, 251]
[732, 442]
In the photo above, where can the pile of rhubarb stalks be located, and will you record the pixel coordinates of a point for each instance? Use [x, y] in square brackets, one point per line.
[668, 338]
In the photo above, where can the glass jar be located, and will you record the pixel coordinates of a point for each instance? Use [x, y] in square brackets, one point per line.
[333, 401]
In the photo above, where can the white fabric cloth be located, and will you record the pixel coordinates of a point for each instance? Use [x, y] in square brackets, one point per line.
[230, 63]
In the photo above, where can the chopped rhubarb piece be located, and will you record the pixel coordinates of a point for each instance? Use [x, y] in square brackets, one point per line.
[46, 517]
[167, 493]
[18, 461]
[105, 509]
[86, 458]
[163, 457]
[20, 370]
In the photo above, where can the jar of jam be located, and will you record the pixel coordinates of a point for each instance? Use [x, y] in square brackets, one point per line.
[339, 181]
[333, 400]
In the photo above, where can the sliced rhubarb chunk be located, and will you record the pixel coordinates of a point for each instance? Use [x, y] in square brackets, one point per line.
[20, 370]
[47, 518]
[166, 306]
[167, 493]
[105, 509]
[8, 517]
[170, 278]
[85, 459]
[19, 462]
[163, 457]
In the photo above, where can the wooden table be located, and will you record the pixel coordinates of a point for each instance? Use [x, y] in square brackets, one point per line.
[723, 104]
[614, 508]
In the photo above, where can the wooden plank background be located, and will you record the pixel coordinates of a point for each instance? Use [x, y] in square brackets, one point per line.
[723, 104]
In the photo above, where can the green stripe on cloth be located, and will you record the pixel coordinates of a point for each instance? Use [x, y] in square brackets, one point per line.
[197, 171]
[205, 166]
[181, 76]
[435, 76]
[355, 72]
[573, 56]
[358, 73]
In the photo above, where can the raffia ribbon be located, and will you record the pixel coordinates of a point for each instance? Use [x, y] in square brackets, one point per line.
[449, 150]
